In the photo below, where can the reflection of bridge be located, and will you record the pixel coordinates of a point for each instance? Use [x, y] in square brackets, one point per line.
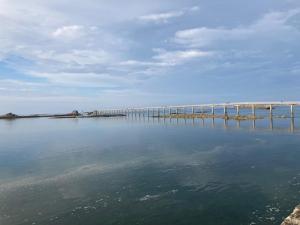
[208, 110]
[263, 125]
[274, 123]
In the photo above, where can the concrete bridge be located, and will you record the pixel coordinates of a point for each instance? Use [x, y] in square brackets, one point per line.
[208, 109]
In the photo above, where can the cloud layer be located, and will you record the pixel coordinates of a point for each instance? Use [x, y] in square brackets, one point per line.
[90, 49]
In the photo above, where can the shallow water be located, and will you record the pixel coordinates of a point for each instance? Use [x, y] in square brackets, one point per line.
[148, 171]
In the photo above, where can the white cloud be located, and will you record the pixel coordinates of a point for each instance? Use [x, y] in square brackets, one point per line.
[194, 8]
[272, 26]
[63, 46]
[74, 56]
[136, 63]
[86, 45]
[166, 16]
[203, 36]
[178, 57]
[72, 32]
[11, 85]
[39, 33]
[162, 62]
[161, 17]
[82, 79]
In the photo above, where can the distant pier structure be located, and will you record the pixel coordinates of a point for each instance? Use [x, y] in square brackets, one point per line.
[236, 110]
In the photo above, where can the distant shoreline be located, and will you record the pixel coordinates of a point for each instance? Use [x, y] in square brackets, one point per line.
[74, 114]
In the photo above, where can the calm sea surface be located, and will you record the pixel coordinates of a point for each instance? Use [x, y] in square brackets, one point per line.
[104, 171]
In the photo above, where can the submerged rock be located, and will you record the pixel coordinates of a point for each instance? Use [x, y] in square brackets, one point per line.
[293, 218]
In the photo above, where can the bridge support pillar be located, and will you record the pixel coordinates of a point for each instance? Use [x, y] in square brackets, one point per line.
[237, 110]
[292, 111]
[292, 126]
[271, 123]
[253, 111]
[253, 124]
[225, 111]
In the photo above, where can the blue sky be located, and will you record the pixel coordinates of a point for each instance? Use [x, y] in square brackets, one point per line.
[61, 55]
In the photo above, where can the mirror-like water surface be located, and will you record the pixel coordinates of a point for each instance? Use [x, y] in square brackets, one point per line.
[148, 171]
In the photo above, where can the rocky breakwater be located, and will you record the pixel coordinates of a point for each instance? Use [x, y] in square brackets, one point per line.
[293, 218]
[9, 116]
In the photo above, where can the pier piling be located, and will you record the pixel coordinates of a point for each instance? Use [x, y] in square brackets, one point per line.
[225, 111]
[253, 110]
[202, 110]
[237, 110]
[292, 111]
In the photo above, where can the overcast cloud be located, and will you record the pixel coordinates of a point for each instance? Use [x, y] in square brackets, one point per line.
[61, 55]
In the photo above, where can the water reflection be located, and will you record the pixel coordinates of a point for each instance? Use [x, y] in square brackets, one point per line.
[148, 171]
[282, 124]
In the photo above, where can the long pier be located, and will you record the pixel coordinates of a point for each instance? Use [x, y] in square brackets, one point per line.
[208, 110]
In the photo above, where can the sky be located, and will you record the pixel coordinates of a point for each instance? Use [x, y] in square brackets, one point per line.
[61, 55]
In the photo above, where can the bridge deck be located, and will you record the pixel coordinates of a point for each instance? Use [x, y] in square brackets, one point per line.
[217, 105]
